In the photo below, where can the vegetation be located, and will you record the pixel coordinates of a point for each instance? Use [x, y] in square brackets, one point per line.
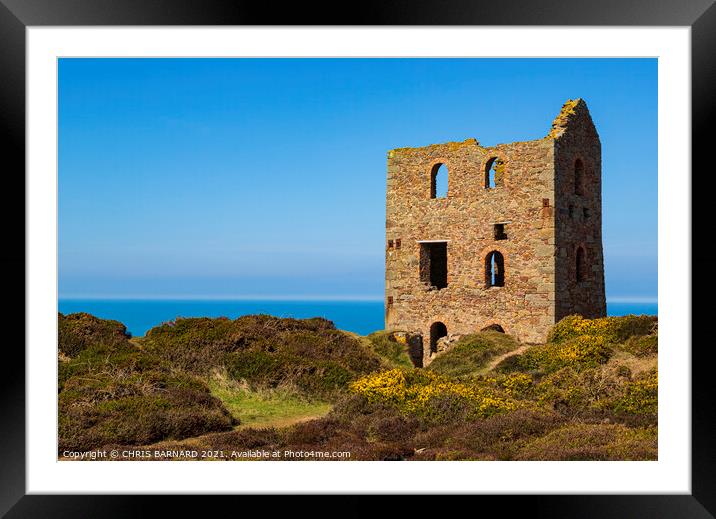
[267, 406]
[392, 352]
[309, 356]
[472, 352]
[79, 331]
[112, 392]
[259, 382]
[431, 396]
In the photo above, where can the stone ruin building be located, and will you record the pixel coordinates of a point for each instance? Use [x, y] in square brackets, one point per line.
[514, 244]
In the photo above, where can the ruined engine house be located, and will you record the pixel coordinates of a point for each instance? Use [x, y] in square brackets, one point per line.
[514, 244]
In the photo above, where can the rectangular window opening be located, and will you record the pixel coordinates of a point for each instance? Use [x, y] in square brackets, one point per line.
[499, 231]
[433, 264]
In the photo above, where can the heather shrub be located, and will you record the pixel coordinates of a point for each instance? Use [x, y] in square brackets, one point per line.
[138, 418]
[242, 439]
[78, 331]
[261, 369]
[391, 427]
[356, 410]
[379, 451]
[112, 392]
[571, 391]
[264, 351]
[641, 345]
[313, 432]
[249, 438]
[489, 438]
[592, 442]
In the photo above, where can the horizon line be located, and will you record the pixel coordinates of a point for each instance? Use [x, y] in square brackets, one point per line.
[209, 297]
[282, 297]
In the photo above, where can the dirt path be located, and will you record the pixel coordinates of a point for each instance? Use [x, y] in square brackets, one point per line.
[278, 423]
[494, 362]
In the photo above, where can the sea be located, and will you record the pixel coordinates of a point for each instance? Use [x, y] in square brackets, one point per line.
[361, 317]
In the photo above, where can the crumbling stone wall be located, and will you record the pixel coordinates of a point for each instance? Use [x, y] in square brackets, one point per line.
[578, 157]
[531, 193]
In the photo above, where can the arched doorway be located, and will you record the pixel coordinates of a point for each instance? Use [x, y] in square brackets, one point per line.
[437, 331]
[493, 328]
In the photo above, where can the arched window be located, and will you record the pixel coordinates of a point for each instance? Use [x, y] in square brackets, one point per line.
[578, 177]
[494, 173]
[439, 181]
[437, 331]
[494, 270]
[581, 264]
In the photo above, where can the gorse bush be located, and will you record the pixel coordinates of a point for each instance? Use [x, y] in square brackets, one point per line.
[571, 391]
[585, 343]
[516, 383]
[639, 396]
[426, 393]
[608, 329]
[580, 352]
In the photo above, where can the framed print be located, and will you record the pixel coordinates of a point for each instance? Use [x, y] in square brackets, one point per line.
[423, 251]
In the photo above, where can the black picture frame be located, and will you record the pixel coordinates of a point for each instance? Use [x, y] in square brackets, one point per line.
[17, 15]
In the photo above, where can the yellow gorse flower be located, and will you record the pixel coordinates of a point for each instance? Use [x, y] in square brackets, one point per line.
[413, 392]
[516, 382]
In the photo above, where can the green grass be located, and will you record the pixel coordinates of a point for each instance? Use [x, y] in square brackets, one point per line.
[265, 407]
[392, 353]
[472, 353]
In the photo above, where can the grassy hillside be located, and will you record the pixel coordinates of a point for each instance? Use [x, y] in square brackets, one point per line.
[309, 355]
[265, 407]
[472, 353]
[110, 391]
[589, 393]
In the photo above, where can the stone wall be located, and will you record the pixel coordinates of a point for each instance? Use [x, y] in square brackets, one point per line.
[536, 288]
[579, 213]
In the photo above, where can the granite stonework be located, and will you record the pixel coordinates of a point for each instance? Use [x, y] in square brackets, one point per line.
[545, 197]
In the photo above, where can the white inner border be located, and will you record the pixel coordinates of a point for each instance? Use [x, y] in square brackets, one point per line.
[670, 474]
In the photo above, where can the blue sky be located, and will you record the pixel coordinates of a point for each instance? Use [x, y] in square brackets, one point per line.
[266, 177]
